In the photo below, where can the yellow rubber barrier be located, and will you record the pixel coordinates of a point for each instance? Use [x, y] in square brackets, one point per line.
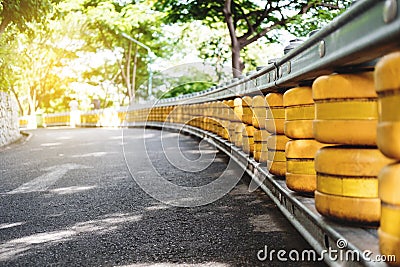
[364, 187]
[247, 139]
[303, 183]
[261, 156]
[300, 171]
[276, 154]
[387, 83]
[260, 145]
[299, 113]
[277, 142]
[389, 193]
[349, 175]
[275, 113]
[277, 167]
[238, 134]
[259, 106]
[248, 145]
[261, 135]
[350, 209]
[350, 161]
[238, 109]
[346, 109]
[247, 116]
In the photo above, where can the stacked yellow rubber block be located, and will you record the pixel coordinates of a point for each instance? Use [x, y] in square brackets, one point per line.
[188, 115]
[261, 145]
[346, 114]
[276, 142]
[225, 119]
[387, 83]
[198, 118]
[230, 116]
[217, 117]
[248, 130]
[178, 114]
[209, 120]
[259, 106]
[238, 124]
[214, 117]
[212, 122]
[247, 116]
[203, 112]
[300, 153]
[248, 139]
[217, 120]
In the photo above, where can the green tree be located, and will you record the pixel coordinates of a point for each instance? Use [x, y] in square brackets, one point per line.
[107, 21]
[247, 21]
[187, 88]
[36, 62]
[20, 12]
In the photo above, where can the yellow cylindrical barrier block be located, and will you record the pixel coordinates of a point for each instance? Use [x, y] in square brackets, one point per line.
[238, 134]
[260, 145]
[389, 193]
[238, 109]
[260, 140]
[248, 139]
[275, 113]
[299, 113]
[259, 106]
[247, 116]
[276, 154]
[261, 156]
[300, 171]
[349, 175]
[350, 209]
[346, 109]
[387, 83]
[261, 135]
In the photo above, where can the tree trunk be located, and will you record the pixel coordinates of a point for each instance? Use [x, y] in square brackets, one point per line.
[237, 65]
[31, 101]
[133, 83]
[21, 109]
[4, 24]
[128, 71]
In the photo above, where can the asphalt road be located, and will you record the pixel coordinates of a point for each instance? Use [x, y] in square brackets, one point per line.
[67, 198]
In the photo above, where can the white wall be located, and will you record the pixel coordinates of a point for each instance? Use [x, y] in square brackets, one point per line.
[9, 128]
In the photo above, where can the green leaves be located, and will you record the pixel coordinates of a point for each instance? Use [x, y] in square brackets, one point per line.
[247, 20]
[20, 12]
[187, 88]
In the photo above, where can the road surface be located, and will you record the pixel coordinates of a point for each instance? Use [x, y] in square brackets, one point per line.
[67, 198]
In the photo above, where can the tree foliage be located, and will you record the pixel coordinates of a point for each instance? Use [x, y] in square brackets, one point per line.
[187, 88]
[20, 12]
[106, 21]
[35, 79]
[52, 50]
[46, 61]
[247, 21]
